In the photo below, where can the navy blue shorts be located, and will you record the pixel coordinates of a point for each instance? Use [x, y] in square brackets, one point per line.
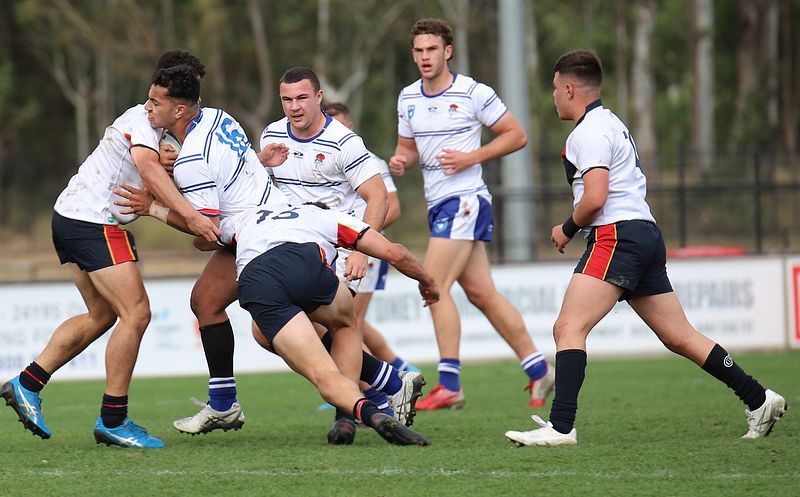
[465, 217]
[629, 254]
[284, 281]
[92, 246]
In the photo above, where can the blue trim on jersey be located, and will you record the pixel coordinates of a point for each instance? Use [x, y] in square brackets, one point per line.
[489, 102]
[239, 168]
[328, 143]
[298, 182]
[276, 134]
[597, 103]
[207, 148]
[265, 195]
[356, 162]
[328, 120]
[188, 158]
[198, 186]
[194, 123]
[472, 88]
[457, 193]
[426, 167]
[347, 137]
[410, 96]
[422, 88]
[498, 119]
[445, 132]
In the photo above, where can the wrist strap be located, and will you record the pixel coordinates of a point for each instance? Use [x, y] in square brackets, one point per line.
[570, 228]
[159, 212]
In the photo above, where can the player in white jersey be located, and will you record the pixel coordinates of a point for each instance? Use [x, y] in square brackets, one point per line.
[625, 259]
[440, 118]
[377, 270]
[101, 257]
[284, 260]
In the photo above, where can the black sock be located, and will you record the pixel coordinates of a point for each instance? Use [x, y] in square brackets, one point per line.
[218, 347]
[369, 364]
[364, 410]
[720, 365]
[570, 371]
[343, 415]
[113, 410]
[33, 378]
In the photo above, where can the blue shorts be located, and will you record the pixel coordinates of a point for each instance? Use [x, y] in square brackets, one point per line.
[284, 281]
[92, 246]
[465, 217]
[375, 279]
[629, 254]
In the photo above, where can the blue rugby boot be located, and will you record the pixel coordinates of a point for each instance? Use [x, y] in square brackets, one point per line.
[27, 405]
[128, 434]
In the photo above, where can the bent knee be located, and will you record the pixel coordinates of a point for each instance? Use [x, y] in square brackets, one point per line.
[481, 298]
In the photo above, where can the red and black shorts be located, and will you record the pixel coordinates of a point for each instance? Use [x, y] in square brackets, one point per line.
[629, 254]
[92, 246]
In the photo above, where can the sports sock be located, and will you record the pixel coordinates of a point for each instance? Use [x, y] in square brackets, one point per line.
[33, 378]
[720, 365]
[113, 410]
[570, 372]
[369, 364]
[343, 415]
[399, 363]
[386, 379]
[535, 365]
[363, 410]
[218, 346]
[379, 399]
[450, 374]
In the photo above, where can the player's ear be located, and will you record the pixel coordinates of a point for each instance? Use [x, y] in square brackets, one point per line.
[448, 52]
[180, 111]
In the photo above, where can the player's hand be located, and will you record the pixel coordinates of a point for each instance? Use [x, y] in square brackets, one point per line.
[167, 157]
[454, 161]
[273, 154]
[559, 239]
[429, 291]
[136, 200]
[204, 227]
[356, 266]
[397, 164]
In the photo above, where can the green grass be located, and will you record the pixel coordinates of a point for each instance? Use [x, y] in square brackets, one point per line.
[655, 426]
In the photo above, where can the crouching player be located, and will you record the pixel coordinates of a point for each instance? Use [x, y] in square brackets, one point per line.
[283, 263]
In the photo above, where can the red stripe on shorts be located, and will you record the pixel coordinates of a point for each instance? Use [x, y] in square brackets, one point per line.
[118, 246]
[602, 252]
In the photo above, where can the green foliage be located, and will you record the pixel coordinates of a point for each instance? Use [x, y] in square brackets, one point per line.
[645, 427]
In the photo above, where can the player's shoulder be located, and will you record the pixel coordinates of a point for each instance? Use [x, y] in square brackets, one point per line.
[134, 116]
[340, 135]
[412, 91]
[275, 130]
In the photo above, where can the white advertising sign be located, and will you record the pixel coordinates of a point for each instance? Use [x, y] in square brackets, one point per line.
[793, 301]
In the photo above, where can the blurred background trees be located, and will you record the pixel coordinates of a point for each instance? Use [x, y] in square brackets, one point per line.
[703, 84]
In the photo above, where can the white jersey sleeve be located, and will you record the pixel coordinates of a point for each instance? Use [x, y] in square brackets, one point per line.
[383, 169]
[591, 149]
[404, 114]
[488, 107]
[356, 161]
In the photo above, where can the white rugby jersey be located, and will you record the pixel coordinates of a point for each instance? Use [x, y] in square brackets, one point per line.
[259, 229]
[326, 168]
[360, 204]
[601, 140]
[89, 196]
[217, 170]
[451, 119]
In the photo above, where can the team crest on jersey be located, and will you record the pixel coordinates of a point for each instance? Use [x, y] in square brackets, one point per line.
[319, 159]
[410, 111]
[452, 110]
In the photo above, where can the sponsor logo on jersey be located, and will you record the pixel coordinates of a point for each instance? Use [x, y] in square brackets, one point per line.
[297, 154]
[432, 108]
[410, 111]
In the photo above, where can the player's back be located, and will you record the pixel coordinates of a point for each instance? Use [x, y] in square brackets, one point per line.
[89, 196]
[217, 169]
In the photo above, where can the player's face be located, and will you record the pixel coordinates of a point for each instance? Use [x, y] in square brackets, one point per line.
[344, 119]
[301, 104]
[161, 109]
[561, 97]
[430, 55]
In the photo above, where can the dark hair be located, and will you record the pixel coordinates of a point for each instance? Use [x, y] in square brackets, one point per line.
[336, 108]
[180, 81]
[298, 74]
[321, 205]
[433, 26]
[178, 57]
[582, 64]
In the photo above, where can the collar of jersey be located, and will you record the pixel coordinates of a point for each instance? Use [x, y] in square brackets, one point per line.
[597, 103]
[422, 88]
[328, 120]
[194, 122]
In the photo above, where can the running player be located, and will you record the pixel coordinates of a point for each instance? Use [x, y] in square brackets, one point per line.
[101, 257]
[440, 120]
[625, 259]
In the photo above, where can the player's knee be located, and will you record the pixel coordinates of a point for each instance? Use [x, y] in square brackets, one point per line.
[480, 297]
[562, 329]
[140, 317]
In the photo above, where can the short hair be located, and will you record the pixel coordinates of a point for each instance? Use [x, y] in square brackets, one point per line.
[178, 57]
[180, 81]
[298, 74]
[583, 64]
[433, 26]
[336, 108]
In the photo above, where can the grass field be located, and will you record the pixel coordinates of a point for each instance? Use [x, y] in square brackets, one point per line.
[645, 427]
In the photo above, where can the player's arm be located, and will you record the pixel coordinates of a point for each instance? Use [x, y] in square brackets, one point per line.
[405, 156]
[376, 245]
[374, 193]
[393, 212]
[142, 203]
[510, 137]
[156, 180]
[595, 194]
